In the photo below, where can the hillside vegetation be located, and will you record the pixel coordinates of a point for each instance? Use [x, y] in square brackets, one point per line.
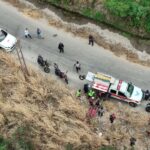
[132, 16]
[39, 114]
[42, 114]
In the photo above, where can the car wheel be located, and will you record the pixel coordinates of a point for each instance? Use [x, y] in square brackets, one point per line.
[147, 108]
[132, 104]
[81, 77]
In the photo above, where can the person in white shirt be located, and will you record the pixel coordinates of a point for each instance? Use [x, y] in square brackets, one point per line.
[27, 34]
[78, 66]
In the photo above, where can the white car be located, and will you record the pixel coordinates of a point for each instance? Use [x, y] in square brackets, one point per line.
[7, 41]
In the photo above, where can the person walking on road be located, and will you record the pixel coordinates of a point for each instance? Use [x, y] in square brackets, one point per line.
[27, 34]
[78, 66]
[61, 47]
[91, 40]
[38, 31]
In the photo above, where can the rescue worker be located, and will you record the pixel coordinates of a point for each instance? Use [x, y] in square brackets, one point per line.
[91, 40]
[112, 118]
[77, 66]
[61, 47]
[132, 141]
[91, 93]
[78, 93]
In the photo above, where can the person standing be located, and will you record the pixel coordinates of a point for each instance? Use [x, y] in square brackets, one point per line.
[78, 93]
[78, 66]
[91, 40]
[61, 47]
[112, 118]
[100, 111]
[132, 141]
[38, 31]
[27, 34]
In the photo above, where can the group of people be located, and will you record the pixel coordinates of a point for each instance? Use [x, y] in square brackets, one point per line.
[77, 65]
[95, 100]
[28, 35]
[96, 107]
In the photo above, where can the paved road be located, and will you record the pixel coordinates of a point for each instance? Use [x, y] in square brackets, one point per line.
[92, 58]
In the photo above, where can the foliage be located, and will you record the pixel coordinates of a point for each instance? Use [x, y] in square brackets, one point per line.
[19, 140]
[136, 12]
[22, 138]
[3, 143]
[69, 146]
[96, 15]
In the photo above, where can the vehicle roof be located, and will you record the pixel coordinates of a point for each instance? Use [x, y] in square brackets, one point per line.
[101, 81]
[120, 86]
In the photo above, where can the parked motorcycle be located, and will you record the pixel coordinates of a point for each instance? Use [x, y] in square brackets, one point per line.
[43, 63]
[60, 74]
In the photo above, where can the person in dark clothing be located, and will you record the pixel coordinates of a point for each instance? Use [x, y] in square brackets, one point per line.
[112, 118]
[97, 104]
[61, 47]
[91, 40]
[132, 141]
[91, 101]
[147, 95]
[86, 88]
[38, 31]
[100, 111]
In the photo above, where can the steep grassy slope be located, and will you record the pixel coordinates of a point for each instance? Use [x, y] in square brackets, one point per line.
[40, 113]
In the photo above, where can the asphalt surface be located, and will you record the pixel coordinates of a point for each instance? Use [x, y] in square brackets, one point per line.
[94, 59]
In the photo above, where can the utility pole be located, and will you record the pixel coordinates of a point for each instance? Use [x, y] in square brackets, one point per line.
[22, 60]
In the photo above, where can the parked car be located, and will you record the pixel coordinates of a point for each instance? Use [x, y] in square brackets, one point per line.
[7, 41]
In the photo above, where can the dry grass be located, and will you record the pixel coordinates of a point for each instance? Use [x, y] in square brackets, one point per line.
[57, 118]
[45, 105]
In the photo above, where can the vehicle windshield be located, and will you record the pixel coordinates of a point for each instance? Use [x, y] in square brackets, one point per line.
[130, 88]
[3, 34]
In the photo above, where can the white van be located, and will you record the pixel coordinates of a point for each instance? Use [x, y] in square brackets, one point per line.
[7, 41]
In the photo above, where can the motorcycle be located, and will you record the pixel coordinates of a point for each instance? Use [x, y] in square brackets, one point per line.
[43, 63]
[60, 74]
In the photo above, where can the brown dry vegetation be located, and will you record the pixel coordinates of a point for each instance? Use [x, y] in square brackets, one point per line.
[82, 31]
[45, 106]
[56, 118]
